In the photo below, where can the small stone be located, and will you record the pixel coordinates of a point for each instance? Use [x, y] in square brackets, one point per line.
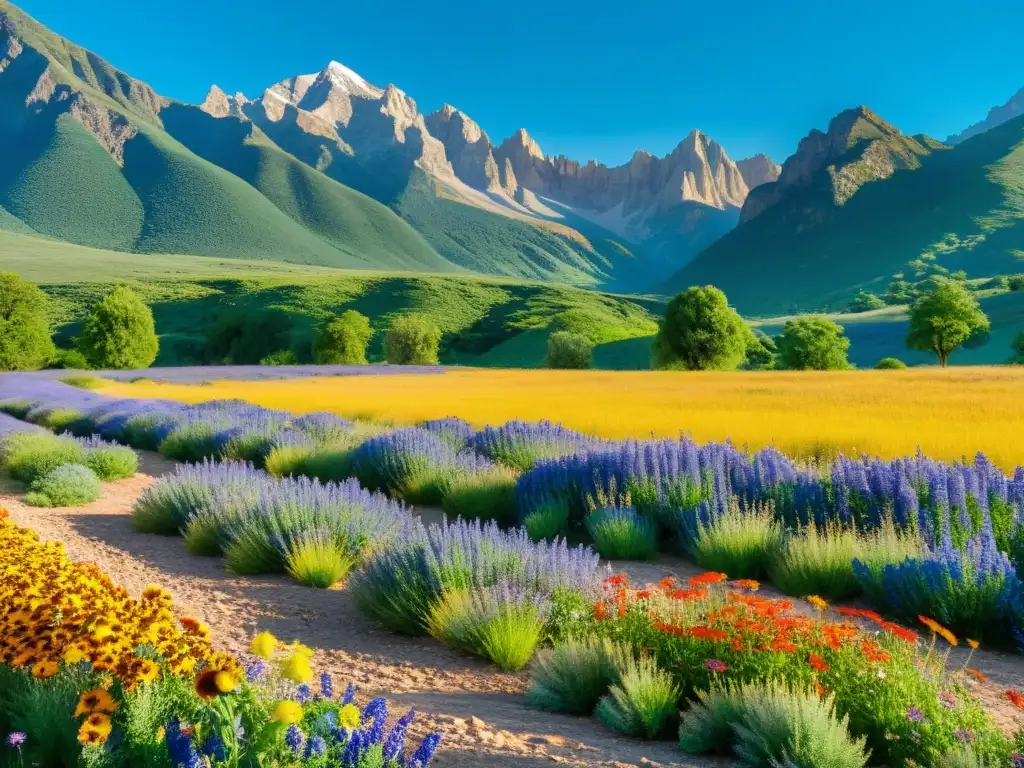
[476, 722]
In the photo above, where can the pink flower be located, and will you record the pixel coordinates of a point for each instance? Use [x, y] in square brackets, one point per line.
[715, 665]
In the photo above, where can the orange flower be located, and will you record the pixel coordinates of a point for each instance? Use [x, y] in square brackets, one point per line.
[1016, 698]
[750, 584]
[600, 611]
[620, 601]
[817, 602]
[907, 635]
[617, 580]
[688, 594]
[977, 674]
[930, 623]
[707, 578]
[818, 663]
[782, 645]
[873, 652]
[667, 583]
[708, 633]
[643, 594]
[973, 643]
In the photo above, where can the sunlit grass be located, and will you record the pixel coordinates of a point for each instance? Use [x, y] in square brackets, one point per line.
[949, 413]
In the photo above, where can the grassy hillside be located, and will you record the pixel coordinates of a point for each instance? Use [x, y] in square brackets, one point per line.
[965, 206]
[189, 295]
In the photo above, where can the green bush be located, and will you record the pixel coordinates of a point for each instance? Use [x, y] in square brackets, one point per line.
[68, 485]
[246, 338]
[1018, 348]
[643, 703]
[622, 534]
[740, 542]
[280, 357]
[568, 350]
[549, 520]
[700, 331]
[483, 495]
[865, 302]
[412, 339]
[343, 340]
[119, 332]
[813, 343]
[772, 725]
[317, 560]
[17, 408]
[760, 351]
[56, 419]
[70, 359]
[26, 342]
[83, 381]
[817, 561]
[890, 364]
[30, 455]
[1015, 282]
[112, 462]
[572, 677]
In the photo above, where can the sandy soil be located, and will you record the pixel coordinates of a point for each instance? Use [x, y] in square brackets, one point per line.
[482, 711]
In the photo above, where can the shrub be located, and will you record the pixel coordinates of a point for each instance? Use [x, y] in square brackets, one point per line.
[1015, 282]
[454, 431]
[568, 350]
[318, 561]
[202, 534]
[409, 463]
[498, 623]
[760, 351]
[30, 455]
[866, 301]
[817, 561]
[327, 465]
[619, 533]
[17, 408]
[25, 332]
[55, 419]
[193, 440]
[772, 725]
[886, 545]
[109, 461]
[487, 493]
[288, 458]
[83, 381]
[813, 343]
[343, 340]
[412, 340]
[700, 331]
[890, 364]
[1018, 348]
[521, 444]
[572, 677]
[119, 332]
[280, 357]
[548, 521]
[642, 703]
[68, 485]
[247, 338]
[740, 542]
[71, 359]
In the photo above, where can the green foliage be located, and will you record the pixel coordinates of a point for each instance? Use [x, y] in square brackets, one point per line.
[343, 340]
[486, 495]
[112, 462]
[945, 319]
[740, 542]
[71, 359]
[202, 534]
[412, 340]
[760, 351]
[25, 334]
[247, 338]
[1015, 282]
[119, 332]
[1018, 348]
[817, 561]
[549, 520]
[281, 357]
[69, 485]
[567, 349]
[83, 381]
[318, 561]
[700, 331]
[865, 302]
[56, 419]
[772, 725]
[572, 677]
[890, 364]
[643, 703]
[622, 534]
[813, 343]
[886, 545]
[30, 455]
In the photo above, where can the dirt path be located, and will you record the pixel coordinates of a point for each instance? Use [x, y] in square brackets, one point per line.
[481, 710]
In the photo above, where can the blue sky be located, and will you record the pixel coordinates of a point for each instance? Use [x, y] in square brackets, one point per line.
[590, 78]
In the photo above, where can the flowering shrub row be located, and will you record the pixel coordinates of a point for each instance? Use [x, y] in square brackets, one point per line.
[92, 676]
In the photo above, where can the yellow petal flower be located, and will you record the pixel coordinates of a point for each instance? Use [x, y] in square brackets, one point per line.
[297, 669]
[287, 712]
[263, 645]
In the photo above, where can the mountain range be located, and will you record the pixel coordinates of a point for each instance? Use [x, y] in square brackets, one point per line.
[329, 169]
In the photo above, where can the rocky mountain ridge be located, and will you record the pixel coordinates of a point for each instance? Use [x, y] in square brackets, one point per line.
[1014, 107]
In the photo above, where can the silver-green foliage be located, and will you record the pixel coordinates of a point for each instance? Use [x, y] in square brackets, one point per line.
[573, 677]
[68, 485]
[643, 703]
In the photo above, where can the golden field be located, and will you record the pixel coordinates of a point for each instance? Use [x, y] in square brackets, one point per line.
[949, 413]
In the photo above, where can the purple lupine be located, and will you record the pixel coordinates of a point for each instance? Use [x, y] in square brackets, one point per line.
[394, 744]
[293, 739]
[326, 685]
[425, 753]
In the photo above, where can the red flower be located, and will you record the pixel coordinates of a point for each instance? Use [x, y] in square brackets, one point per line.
[667, 583]
[707, 578]
[818, 663]
[600, 611]
[782, 645]
[1016, 698]
[688, 594]
[617, 580]
[643, 594]
[708, 633]
[907, 635]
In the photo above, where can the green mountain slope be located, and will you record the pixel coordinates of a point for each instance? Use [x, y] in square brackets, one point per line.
[96, 167]
[964, 206]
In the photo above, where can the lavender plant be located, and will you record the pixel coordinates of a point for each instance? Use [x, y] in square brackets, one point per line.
[411, 463]
[521, 444]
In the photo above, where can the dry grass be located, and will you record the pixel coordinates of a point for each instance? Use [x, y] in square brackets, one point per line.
[947, 413]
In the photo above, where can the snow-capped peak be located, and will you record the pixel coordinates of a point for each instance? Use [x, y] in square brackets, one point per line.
[342, 75]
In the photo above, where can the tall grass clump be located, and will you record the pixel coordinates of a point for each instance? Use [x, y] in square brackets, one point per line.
[30, 455]
[521, 444]
[741, 541]
[621, 533]
[481, 490]
[880, 548]
[548, 520]
[771, 725]
[412, 464]
[317, 560]
[643, 703]
[17, 408]
[572, 677]
[54, 418]
[108, 460]
[500, 623]
[69, 485]
[817, 561]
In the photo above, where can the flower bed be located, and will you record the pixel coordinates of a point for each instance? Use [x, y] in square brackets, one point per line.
[92, 676]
